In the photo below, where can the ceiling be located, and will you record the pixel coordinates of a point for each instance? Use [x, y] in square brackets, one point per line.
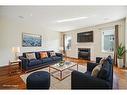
[47, 16]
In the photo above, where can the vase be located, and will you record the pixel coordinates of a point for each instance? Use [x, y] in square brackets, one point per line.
[120, 63]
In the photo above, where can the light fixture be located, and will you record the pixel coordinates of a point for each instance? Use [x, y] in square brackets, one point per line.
[71, 19]
[21, 17]
[61, 49]
[16, 50]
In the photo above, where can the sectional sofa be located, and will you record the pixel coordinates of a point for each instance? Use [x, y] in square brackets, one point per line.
[28, 65]
[104, 79]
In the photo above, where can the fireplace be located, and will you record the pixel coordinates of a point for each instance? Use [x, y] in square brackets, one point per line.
[84, 53]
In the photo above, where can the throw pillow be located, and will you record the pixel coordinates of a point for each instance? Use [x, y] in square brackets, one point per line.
[96, 70]
[105, 71]
[52, 53]
[103, 74]
[109, 59]
[43, 54]
[30, 56]
[102, 61]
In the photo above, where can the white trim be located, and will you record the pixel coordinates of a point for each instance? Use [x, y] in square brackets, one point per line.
[102, 38]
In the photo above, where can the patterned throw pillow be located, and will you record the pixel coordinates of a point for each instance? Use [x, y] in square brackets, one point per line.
[43, 54]
[102, 61]
[30, 56]
[96, 70]
[52, 53]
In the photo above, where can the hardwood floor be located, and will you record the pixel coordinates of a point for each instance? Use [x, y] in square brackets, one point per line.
[121, 77]
[11, 81]
[14, 81]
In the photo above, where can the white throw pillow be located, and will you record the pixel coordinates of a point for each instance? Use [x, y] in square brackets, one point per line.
[96, 70]
[30, 56]
[52, 53]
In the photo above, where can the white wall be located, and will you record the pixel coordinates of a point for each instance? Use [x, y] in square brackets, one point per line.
[96, 45]
[126, 38]
[11, 36]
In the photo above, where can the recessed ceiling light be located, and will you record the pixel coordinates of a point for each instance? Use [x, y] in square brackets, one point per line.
[71, 19]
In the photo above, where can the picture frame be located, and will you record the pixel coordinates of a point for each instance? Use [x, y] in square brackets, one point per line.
[31, 40]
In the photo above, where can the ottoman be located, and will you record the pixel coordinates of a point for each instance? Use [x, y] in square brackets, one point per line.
[38, 80]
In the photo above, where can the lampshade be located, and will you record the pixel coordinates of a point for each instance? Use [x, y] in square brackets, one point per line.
[61, 48]
[16, 49]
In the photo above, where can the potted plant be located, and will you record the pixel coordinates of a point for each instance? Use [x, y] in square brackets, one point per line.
[120, 53]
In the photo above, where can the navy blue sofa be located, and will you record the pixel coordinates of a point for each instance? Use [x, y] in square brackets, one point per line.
[32, 64]
[104, 79]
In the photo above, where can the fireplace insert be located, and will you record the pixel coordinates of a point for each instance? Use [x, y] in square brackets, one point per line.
[84, 53]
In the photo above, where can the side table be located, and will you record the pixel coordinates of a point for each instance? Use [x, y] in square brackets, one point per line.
[13, 63]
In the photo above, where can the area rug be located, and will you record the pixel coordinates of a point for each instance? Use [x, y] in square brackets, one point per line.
[55, 83]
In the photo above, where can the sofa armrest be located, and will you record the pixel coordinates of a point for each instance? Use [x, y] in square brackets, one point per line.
[59, 54]
[90, 66]
[82, 81]
[24, 62]
[98, 59]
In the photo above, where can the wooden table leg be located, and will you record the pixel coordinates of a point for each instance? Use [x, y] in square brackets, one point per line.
[60, 75]
[49, 69]
[77, 67]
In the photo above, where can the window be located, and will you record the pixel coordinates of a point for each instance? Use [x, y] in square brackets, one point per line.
[68, 40]
[108, 40]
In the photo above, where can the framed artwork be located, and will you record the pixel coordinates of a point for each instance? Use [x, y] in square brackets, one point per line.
[31, 40]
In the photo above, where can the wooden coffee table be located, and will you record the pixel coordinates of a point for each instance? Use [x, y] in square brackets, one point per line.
[61, 69]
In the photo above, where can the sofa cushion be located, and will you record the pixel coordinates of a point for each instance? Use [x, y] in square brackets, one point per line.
[96, 70]
[52, 53]
[43, 54]
[34, 62]
[109, 59]
[45, 60]
[48, 52]
[37, 55]
[88, 73]
[102, 61]
[56, 58]
[105, 71]
[30, 56]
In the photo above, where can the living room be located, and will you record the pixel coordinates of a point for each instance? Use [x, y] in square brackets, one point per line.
[59, 31]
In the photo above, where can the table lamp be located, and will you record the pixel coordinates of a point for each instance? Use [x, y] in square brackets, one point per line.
[16, 50]
[61, 49]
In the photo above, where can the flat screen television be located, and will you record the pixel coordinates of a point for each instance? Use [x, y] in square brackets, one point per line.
[85, 36]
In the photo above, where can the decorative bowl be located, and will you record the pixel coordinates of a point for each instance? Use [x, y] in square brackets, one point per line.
[61, 63]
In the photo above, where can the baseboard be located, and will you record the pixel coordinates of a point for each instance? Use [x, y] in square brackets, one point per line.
[5, 66]
[71, 57]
